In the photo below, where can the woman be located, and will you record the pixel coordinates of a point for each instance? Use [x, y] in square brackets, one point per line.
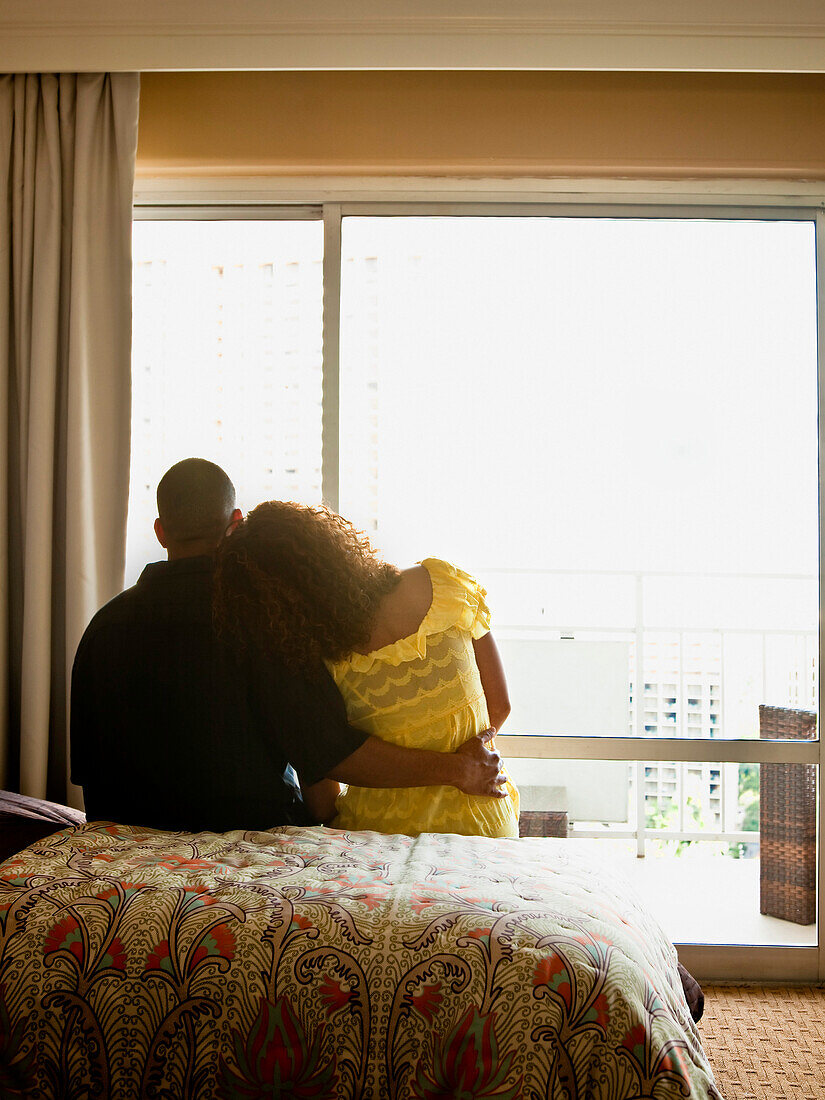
[410, 651]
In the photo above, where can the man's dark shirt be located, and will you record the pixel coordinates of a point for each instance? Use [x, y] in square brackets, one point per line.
[172, 728]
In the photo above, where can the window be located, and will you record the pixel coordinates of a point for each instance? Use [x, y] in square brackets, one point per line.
[564, 403]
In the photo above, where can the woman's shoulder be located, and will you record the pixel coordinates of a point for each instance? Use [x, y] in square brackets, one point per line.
[430, 598]
[415, 588]
[401, 615]
[404, 608]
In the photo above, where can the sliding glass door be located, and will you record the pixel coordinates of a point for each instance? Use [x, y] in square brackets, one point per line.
[613, 422]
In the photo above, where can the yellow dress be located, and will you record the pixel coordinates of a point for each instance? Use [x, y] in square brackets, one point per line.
[425, 692]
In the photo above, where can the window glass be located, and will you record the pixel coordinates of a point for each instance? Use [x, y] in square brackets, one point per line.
[729, 849]
[612, 422]
[226, 361]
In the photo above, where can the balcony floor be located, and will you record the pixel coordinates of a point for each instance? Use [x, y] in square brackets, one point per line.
[701, 898]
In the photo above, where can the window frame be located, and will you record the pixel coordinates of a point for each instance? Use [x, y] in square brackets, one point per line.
[333, 200]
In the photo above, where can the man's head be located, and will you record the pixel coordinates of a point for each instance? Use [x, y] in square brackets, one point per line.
[196, 506]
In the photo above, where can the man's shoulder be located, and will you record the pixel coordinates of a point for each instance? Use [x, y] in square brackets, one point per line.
[121, 607]
[166, 584]
[161, 595]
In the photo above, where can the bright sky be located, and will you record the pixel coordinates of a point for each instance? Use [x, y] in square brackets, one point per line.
[596, 394]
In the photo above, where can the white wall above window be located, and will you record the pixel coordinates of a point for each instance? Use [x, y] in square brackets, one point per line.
[707, 35]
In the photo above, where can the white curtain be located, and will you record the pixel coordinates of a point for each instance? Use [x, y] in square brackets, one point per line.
[67, 156]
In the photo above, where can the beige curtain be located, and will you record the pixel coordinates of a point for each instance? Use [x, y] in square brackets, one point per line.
[67, 155]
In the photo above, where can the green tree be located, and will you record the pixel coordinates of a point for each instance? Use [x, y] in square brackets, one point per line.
[747, 805]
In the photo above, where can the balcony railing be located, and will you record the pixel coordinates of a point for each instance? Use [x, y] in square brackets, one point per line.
[705, 649]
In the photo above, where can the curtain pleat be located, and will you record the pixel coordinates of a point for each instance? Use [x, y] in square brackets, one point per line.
[67, 154]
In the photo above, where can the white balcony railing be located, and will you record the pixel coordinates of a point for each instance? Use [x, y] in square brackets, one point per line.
[702, 651]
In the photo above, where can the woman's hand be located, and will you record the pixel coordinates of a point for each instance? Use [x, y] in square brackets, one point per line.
[481, 767]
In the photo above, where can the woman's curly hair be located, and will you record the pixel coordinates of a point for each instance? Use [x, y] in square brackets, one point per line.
[299, 583]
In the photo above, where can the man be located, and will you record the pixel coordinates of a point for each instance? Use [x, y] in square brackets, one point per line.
[171, 727]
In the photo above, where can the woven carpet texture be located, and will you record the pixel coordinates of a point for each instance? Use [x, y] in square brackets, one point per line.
[766, 1043]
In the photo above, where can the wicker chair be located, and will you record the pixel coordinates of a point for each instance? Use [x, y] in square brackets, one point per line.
[787, 822]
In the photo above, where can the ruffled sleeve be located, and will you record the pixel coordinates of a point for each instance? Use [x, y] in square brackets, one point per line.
[458, 600]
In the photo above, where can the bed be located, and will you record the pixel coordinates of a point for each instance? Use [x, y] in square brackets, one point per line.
[306, 962]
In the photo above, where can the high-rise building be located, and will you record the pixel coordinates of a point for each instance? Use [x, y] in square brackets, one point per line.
[682, 697]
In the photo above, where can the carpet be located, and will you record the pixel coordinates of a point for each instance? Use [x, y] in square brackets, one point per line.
[766, 1043]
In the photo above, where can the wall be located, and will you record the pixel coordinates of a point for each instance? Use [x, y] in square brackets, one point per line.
[483, 123]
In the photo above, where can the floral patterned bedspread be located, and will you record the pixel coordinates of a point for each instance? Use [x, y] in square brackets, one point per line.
[314, 963]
